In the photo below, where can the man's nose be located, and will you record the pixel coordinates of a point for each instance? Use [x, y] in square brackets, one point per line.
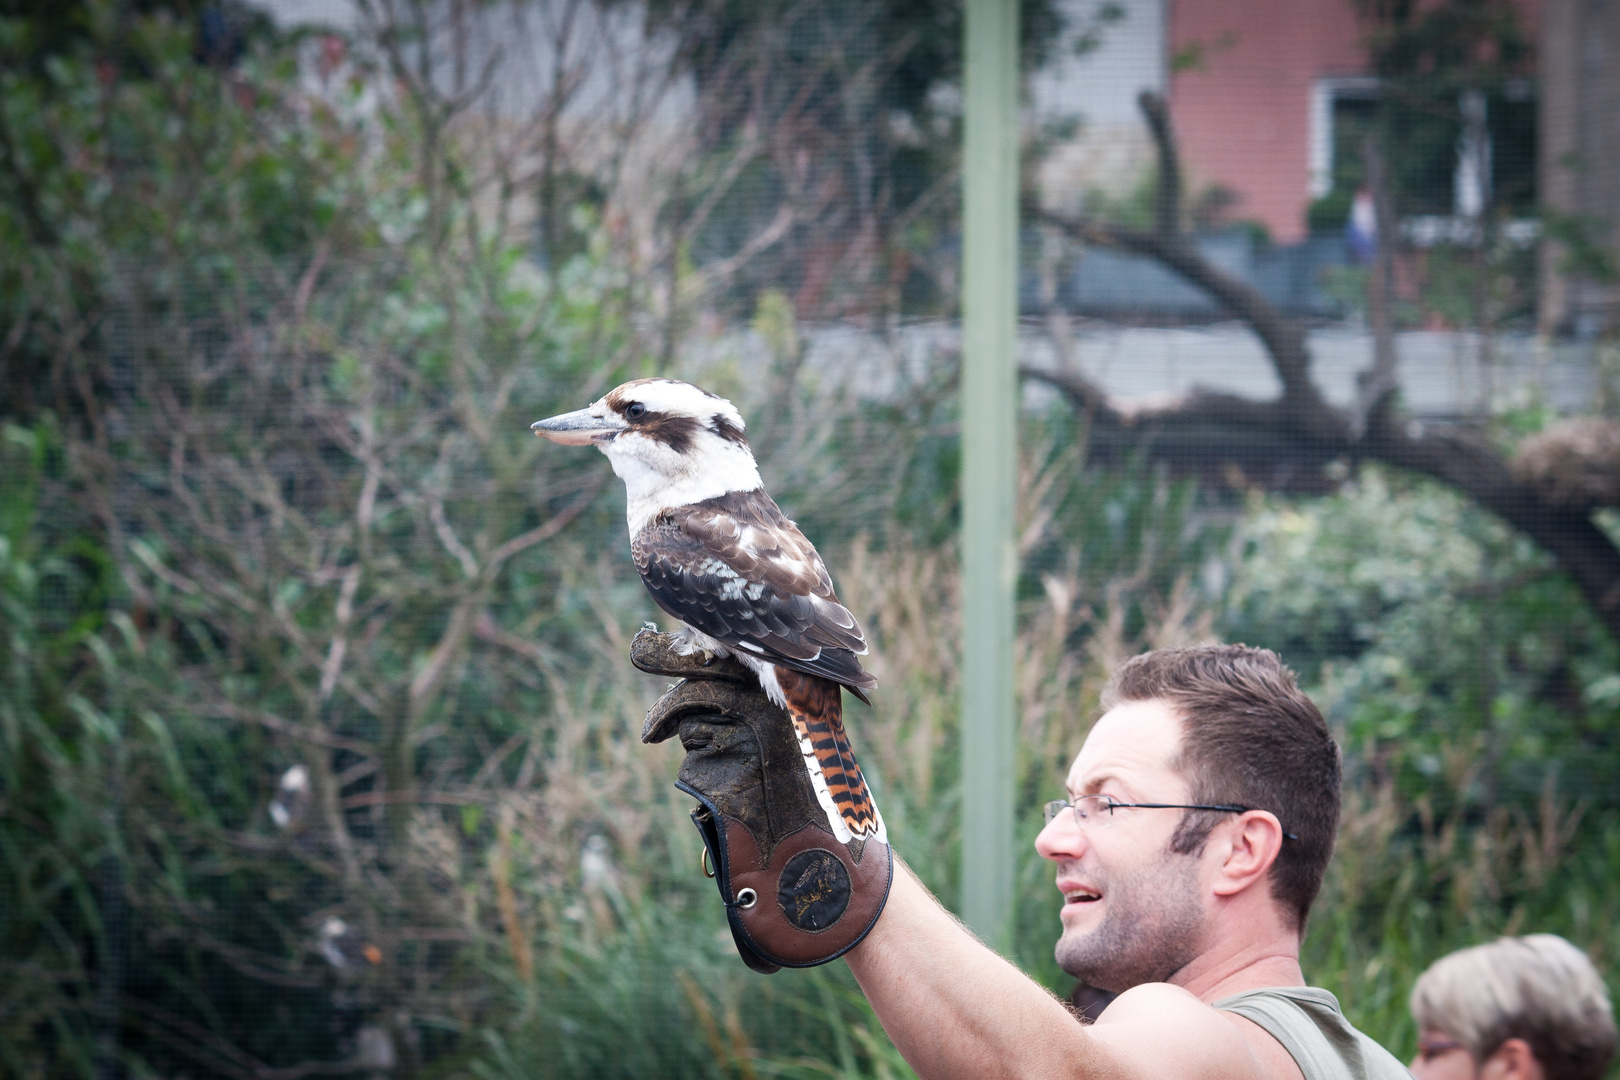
[1061, 839]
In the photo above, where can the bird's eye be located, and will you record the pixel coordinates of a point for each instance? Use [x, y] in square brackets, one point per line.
[635, 410]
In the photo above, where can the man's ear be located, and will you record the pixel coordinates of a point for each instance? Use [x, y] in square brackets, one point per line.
[1247, 846]
[1513, 1060]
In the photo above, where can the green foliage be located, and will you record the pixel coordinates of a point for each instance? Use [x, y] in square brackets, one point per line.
[292, 386]
[1430, 58]
[1442, 49]
[663, 994]
[1488, 285]
[275, 508]
[1470, 689]
[1586, 250]
[1195, 54]
[1431, 628]
[1331, 212]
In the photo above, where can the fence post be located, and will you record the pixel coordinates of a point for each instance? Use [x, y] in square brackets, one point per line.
[989, 460]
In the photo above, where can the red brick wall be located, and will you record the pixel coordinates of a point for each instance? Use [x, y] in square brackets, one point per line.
[1243, 119]
[1243, 116]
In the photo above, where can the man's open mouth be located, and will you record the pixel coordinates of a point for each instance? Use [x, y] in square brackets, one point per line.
[1079, 896]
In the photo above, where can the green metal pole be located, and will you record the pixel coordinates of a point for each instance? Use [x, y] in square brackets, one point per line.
[989, 461]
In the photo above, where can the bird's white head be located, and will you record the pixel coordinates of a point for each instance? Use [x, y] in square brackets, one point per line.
[671, 443]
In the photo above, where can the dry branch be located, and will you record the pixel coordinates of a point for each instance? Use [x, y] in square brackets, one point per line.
[1300, 428]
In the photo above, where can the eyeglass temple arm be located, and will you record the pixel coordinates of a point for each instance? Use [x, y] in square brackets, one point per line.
[1230, 809]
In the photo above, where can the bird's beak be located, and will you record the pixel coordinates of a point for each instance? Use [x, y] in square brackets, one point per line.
[578, 428]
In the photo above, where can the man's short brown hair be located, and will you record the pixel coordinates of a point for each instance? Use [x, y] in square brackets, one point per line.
[1249, 737]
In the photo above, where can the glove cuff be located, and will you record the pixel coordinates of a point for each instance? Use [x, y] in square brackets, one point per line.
[810, 904]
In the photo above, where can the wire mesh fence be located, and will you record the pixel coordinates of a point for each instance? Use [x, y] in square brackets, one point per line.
[321, 744]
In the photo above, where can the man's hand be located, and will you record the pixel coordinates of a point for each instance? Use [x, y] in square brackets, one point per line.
[794, 896]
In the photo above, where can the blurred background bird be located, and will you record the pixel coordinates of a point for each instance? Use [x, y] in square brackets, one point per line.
[292, 799]
[344, 948]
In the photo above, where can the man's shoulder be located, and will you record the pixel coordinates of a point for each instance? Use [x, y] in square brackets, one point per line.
[1308, 1023]
[1272, 1033]
[1188, 1038]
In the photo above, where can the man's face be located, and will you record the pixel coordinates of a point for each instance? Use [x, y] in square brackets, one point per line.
[1133, 910]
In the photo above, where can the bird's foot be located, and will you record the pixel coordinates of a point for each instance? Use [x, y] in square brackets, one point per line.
[686, 643]
[658, 654]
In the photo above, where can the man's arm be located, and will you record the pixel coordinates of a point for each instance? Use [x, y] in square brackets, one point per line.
[952, 1006]
[955, 1008]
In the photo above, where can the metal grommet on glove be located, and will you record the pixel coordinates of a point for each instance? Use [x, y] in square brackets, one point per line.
[747, 898]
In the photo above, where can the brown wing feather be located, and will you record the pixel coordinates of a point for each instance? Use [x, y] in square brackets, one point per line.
[760, 542]
[737, 569]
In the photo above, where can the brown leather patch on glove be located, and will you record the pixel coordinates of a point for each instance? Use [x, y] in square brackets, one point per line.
[814, 902]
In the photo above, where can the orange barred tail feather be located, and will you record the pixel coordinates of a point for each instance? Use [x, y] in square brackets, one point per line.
[817, 708]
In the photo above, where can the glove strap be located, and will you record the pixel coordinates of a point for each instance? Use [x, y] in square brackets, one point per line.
[707, 820]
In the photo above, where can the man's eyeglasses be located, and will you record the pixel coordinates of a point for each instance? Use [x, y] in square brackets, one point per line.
[1096, 811]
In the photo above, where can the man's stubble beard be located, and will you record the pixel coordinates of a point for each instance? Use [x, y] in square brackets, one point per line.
[1151, 931]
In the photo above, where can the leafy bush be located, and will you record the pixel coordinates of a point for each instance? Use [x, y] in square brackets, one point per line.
[1469, 687]
[320, 744]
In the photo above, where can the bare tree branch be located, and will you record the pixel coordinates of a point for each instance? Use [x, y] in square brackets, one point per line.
[1167, 207]
[290, 728]
[1376, 386]
[541, 533]
[1300, 426]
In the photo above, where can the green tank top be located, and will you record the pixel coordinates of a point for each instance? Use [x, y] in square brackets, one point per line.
[1308, 1023]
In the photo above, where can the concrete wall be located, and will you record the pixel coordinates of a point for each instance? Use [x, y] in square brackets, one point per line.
[1110, 150]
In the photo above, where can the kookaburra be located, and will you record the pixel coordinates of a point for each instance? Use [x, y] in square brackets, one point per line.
[717, 553]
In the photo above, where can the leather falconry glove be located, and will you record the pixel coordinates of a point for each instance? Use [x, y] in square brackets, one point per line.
[794, 895]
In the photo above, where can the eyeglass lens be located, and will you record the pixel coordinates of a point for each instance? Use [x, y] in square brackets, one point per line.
[1089, 809]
